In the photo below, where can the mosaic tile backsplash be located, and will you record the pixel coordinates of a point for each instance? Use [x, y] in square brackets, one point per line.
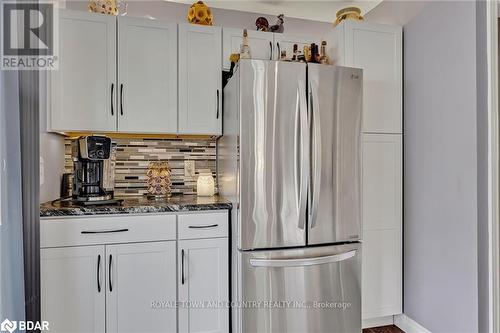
[134, 155]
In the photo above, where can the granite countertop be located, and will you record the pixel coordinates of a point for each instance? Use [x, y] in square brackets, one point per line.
[136, 205]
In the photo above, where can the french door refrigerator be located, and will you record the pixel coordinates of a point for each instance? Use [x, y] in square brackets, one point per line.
[289, 160]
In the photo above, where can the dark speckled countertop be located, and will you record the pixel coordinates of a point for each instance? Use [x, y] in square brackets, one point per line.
[136, 205]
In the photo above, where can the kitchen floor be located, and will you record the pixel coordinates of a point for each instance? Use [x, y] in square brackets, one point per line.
[383, 329]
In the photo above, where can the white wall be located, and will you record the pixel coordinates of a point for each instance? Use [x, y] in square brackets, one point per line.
[440, 168]
[395, 12]
[483, 236]
[51, 153]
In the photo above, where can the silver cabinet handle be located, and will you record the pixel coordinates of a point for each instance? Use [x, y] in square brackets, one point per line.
[302, 261]
[99, 273]
[279, 51]
[109, 231]
[271, 50]
[203, 226]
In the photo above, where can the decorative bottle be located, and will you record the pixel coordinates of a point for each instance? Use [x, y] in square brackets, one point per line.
[245, 48]
[323, 58]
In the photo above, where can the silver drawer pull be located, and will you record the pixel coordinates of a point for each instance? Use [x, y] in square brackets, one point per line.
[87, 232]
[203, 226]
[302, 261]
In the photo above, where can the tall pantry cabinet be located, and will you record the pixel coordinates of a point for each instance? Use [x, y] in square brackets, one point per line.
[377, 49]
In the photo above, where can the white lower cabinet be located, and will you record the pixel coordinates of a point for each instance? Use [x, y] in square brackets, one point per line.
[73, 290]
[112, 288]
[203, 285]
[141, 287]
[123, 274]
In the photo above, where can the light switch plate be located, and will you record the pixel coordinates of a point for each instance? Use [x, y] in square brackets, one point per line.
[189, 169]
[42, 171]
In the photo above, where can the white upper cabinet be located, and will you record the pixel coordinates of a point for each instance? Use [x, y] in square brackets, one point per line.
[261, 44]
[285, 42]
[139, 275]
[377, 49]
[147, 76]
[73, 289]
[83, 90]
[200, 79]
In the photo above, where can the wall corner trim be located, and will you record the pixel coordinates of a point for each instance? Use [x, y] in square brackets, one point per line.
[409, 325]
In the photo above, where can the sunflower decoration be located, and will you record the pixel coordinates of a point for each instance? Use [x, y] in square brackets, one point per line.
[109, 7]
[199, 13]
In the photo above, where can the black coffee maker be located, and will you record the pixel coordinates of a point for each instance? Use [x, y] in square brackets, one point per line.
[91, 162]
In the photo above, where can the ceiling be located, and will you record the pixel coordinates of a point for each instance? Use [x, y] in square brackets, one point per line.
[323, 11]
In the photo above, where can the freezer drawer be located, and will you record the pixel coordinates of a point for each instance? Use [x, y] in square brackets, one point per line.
[302, 290]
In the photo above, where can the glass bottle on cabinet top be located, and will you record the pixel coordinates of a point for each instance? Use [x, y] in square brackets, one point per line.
[245, 48]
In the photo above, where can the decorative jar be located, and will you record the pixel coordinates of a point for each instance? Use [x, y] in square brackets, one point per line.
[159, 183]
[205, 185]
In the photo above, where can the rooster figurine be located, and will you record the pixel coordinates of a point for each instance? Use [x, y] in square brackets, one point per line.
[278, 27]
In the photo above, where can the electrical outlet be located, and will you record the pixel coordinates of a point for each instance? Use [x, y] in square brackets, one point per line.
[189, 169]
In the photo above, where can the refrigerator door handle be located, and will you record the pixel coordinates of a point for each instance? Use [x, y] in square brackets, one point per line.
[303, 261]
[301, 153]
[315, 156]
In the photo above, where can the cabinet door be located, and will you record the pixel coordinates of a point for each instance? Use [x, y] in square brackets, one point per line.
[377, 49]
[83, 90]
[261, 44]
[141, 287]
[200, 79]
[382, 225]
[285, 42]
[72, 288]
[147, 76]
[203, 280]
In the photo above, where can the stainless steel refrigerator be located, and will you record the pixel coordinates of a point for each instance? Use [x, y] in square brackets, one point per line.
[289, 160]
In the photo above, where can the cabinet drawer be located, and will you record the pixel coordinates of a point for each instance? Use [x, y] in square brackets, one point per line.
[207, 225]
[106, 230]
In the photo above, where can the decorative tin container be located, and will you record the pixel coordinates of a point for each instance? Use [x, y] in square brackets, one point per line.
[159, 183]
[348, 13]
